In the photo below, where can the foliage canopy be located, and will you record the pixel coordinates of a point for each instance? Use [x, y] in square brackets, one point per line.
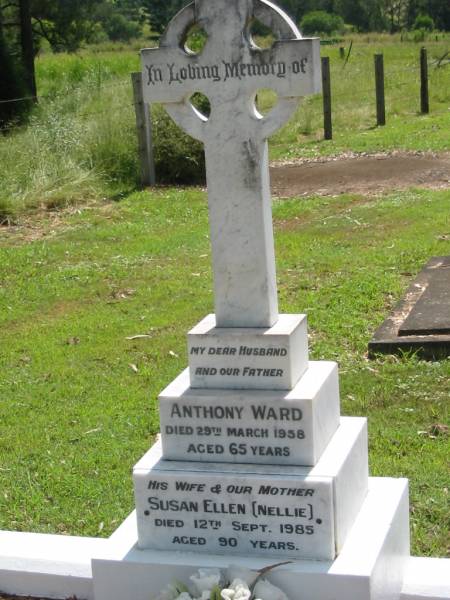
[320, 21]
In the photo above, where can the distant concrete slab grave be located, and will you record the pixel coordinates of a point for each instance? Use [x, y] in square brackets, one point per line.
[431, 314]
[421, 321]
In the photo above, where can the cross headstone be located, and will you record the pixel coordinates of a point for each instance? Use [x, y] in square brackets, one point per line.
[229, 71]
[254, 459]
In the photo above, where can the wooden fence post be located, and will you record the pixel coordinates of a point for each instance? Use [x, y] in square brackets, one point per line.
[424, 94]
[379, 86]
[326, 85]
[144, 132]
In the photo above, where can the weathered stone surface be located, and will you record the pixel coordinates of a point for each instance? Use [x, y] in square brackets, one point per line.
[229, 71]
[248, 358]
[254, 510]
[421, 320]
[431, 312]
[252, 426]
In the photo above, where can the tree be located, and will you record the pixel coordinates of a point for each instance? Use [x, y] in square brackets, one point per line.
[297, 9]
[396, 14]
[64, 24]
[27, 46]
[439, 11]
[424, 22]
[319, 21]
[160, 12]
[12, 83]
[132, 9]
[365, 15]
[120, 21]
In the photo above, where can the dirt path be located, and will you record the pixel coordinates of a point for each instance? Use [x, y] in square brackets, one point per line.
[360, 174]
[367, 175]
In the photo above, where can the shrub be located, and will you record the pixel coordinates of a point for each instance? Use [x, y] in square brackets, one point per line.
[319, 21]
[424, 22]
[178, 158]
[419, 35]
[119, 29]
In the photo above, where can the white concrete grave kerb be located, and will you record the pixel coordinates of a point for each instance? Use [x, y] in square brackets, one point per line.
[229, 71]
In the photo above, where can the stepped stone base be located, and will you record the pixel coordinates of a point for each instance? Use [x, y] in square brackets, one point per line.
[370, 566]
[252, 426]
[56, 566]
[275, 511]
[272, 358]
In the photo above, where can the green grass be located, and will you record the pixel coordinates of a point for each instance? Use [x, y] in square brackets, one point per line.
[354, 111]
[81, 142]
[75, 415]
[74, 285]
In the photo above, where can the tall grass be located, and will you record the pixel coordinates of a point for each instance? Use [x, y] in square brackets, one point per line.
[80, 140]
[80, 143]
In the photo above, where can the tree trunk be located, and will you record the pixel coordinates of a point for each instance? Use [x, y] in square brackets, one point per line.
[27, 44]
[1, 24]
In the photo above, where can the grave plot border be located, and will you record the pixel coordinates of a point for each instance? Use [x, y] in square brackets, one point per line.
[389, 339]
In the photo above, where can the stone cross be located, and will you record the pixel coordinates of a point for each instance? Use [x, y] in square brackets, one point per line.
[229, 71]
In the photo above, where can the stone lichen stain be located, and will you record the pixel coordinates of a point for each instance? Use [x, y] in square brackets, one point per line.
[251, 160]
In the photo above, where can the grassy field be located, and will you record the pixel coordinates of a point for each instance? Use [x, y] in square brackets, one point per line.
[78, 397]
[353, 96]
[81, 142]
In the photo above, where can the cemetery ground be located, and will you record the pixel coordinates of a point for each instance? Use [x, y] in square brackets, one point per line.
[94, 312]
[98, 285]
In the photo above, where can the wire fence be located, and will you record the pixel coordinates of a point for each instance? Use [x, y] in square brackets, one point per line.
[119, 109]
[54, 96]
[384, 81]
[390, 82]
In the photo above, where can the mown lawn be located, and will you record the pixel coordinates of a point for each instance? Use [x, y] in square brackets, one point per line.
[78, 399]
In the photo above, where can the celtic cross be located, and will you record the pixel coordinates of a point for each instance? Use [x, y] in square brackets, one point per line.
[229, 71]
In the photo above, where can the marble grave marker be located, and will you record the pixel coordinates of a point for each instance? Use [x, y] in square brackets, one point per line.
[253, 456]
[229, 72]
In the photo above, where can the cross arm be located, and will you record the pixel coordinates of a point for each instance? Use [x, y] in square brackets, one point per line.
[291, 68]
[167, 74]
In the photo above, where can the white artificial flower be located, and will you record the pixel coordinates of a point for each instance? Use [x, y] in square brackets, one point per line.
[264, 590]
[238, 590]
[206, 595]
[236, 572]
[205, 580]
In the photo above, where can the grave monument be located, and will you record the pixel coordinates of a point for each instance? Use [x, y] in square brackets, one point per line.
[420, 322]
[254, 458]
[255, 465]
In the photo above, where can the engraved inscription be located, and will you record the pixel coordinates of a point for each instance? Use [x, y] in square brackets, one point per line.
[238, 351]
[291, 517]
[172, 73]
[246, 432]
